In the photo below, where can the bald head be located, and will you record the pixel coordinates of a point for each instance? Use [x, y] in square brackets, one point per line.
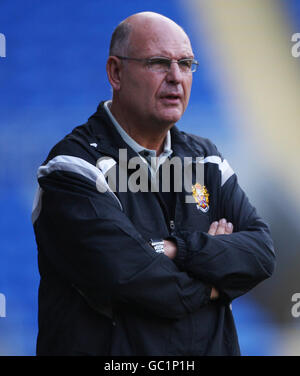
[139, 25]
[147, 19]
[147, 100]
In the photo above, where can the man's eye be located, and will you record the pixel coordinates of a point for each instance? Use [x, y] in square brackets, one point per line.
[164, 63]
[186, 63]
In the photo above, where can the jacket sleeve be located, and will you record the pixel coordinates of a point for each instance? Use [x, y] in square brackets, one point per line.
[233, 263]
[90, 243]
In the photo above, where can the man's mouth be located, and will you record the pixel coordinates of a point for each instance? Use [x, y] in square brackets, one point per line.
[171, 98]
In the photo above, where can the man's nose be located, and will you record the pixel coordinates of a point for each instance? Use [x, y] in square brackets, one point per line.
[174, 74]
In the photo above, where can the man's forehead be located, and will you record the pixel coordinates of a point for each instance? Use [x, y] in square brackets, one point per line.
[167, 50]
[160, 38]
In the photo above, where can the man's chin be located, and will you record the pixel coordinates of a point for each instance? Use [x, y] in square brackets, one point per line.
[171, 116]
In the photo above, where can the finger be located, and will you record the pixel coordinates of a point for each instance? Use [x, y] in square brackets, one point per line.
[221, 227]
[214, 294]
[170, 249]
[213, 228]
[228, 228]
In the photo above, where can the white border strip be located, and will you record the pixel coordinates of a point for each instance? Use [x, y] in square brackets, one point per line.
[78, 166]
[224, 167]
[37, 204]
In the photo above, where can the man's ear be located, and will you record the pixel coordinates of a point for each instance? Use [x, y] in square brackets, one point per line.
[114, 71]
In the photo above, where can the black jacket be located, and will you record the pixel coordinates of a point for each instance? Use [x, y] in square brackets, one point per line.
[104, 290]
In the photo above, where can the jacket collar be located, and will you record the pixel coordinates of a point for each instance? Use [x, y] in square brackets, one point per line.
[110, 141]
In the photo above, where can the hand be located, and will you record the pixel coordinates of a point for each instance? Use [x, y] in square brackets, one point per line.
[220, 228]
[214, 294]
[170, 249]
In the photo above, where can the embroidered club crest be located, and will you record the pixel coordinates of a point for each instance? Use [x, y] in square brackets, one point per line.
[201, 196]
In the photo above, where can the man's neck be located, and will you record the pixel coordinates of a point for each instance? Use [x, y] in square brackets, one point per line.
[150, 136]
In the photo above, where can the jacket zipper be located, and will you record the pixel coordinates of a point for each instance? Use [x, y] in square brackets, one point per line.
[172, 226]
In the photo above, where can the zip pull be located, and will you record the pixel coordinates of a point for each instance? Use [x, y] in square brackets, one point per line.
[172, 225]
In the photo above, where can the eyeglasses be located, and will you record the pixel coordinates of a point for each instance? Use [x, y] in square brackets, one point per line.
[163, 64]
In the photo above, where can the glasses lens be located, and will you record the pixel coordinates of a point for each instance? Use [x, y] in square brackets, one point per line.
[185, 65]
[159, 64]
[194, 67]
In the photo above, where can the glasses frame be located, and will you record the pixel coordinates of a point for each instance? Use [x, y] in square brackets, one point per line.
[147, 61]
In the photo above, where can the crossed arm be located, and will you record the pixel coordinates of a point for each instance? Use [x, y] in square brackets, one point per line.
[221, 227]
[84, 238]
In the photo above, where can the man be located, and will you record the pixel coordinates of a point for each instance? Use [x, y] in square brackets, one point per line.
[143, 273]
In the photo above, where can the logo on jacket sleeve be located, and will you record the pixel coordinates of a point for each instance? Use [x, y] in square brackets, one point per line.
[201, 196]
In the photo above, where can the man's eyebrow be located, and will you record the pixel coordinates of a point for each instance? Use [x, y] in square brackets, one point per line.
[187, 57]
[169, 58]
